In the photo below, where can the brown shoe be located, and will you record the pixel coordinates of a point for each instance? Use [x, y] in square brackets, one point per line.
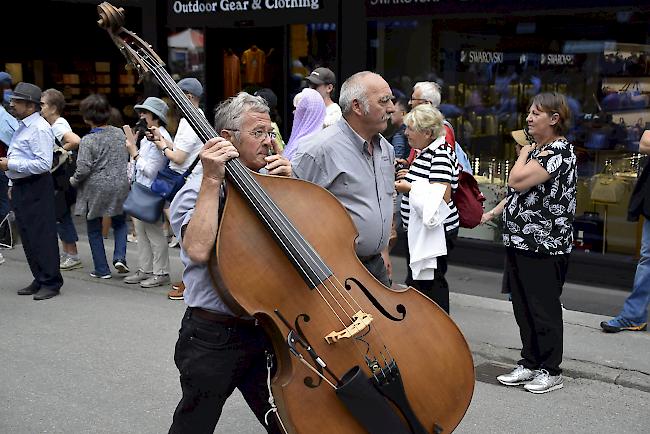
[177, 291]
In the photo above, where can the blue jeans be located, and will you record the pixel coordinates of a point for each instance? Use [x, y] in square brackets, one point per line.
[66, 230]
[636, 306]
[96, 241]
[4, 198]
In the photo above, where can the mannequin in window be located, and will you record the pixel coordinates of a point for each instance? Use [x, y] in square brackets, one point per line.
[231, 74]
[253, 60]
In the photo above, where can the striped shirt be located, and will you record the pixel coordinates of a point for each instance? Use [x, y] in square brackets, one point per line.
[437, 164]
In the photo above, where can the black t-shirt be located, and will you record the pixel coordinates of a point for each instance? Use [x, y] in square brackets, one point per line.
[540, 219]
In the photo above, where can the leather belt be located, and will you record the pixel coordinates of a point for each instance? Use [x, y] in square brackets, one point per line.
[220, 318]
[28, 179]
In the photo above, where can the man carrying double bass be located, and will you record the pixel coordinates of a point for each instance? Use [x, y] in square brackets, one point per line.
[217, 351]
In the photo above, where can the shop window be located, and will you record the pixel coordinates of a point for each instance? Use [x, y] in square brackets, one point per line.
[186, 59]
[311, 46]
[488, 70]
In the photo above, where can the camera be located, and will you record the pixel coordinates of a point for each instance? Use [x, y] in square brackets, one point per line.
[399, 166]
[140, 128]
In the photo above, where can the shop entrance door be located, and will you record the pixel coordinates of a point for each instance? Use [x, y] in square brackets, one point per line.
[244, 59]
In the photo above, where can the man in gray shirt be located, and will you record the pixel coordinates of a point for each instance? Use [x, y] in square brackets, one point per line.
[217, 351]
[355, 163]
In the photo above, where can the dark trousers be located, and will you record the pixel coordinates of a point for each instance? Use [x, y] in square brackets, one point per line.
[4, 198]
[213, 359]
[376, 266]
[33, 204]
[536, 282]
[438, 288]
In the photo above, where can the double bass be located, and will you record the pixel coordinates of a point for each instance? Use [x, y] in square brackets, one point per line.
[352, 355]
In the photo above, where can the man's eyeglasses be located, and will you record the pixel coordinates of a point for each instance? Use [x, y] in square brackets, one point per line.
[412, 100]
[258, 134]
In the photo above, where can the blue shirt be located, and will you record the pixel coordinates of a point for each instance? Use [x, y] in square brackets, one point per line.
[8, 126]
[199, 289]
[31, 148]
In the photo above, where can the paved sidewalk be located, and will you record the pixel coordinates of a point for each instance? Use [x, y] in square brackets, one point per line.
[491, 331]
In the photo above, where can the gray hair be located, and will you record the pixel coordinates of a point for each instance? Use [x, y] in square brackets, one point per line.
[353, 89]
[228, 114]
[430, 91]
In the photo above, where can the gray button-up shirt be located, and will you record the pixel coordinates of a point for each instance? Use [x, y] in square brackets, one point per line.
[31, 148]
[337, 159]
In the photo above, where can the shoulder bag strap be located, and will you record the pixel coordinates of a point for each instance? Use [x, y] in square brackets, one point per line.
[192, 166]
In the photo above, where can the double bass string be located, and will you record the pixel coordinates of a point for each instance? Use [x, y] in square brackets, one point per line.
[206, 130]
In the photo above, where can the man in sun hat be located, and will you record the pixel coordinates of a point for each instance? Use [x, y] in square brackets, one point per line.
[323, 81]
[27, 166]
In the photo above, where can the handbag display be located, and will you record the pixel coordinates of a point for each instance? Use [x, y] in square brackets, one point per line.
[168, 181]
[607, 188]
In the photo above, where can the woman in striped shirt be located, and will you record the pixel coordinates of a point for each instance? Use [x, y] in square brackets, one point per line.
[436, 162]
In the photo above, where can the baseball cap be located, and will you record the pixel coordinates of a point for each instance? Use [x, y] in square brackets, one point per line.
[321, 76]
[192, 86]
[5, 77]
[269, 96]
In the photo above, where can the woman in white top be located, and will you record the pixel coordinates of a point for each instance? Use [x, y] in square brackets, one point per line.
[153, 251]
[52, 106]
[437, 164]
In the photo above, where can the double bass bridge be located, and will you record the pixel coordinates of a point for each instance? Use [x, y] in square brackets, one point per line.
[361, 320]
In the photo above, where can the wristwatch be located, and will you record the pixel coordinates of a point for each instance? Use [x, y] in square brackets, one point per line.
[163, 150]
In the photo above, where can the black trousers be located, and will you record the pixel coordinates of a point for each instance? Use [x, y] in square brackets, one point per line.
[376, 266]
[213, 359]
[33, 203]
[536, 283]
[438, 288]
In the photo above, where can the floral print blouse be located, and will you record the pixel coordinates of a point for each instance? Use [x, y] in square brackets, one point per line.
[540, 219]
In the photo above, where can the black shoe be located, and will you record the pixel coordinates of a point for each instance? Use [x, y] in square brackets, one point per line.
[46, 293]
[30, 290]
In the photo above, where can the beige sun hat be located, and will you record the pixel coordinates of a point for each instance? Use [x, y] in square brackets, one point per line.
[520, 137]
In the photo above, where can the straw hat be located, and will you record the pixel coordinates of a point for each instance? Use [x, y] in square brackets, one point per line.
[521, 137]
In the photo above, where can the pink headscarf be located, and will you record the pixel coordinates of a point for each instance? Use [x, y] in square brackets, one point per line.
[308, 119]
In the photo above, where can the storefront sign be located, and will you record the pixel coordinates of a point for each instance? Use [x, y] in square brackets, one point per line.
[202, 7]
[481, 57]
[558, 59]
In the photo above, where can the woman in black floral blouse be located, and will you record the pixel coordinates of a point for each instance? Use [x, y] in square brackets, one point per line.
[538, 237]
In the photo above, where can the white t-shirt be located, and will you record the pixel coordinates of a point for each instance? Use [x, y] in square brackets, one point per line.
[187, 141]
[332, 114]
[60, 127]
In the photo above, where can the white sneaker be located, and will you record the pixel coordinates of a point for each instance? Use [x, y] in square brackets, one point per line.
[131, 238]
[519, 375]
[173, 242]
[70, 264]
[138, 277]
[155, 280]
[544, 382]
